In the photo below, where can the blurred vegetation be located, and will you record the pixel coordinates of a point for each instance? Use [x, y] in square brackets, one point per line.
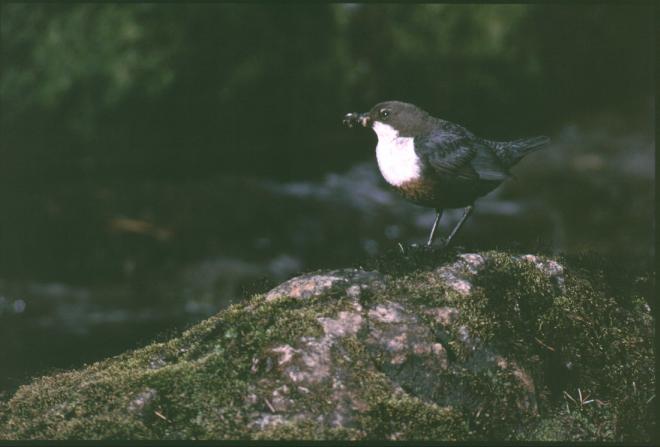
[91, 91]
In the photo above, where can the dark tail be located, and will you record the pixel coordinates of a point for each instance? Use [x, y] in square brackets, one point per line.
[511, 152]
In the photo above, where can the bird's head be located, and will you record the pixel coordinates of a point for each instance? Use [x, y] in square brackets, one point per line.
[390, 119]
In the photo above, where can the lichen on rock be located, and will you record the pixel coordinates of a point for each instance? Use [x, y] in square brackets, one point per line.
[443, 347]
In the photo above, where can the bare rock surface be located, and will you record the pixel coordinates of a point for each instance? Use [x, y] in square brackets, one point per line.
[350, 281]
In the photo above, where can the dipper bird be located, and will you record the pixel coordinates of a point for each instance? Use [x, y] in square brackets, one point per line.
[436, 163]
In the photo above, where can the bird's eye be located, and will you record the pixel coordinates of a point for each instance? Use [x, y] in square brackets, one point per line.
[384, 113]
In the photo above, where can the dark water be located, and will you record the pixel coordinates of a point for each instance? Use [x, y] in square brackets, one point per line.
[92, 269]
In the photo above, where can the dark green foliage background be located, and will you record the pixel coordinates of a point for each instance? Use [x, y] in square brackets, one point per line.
[186, 90]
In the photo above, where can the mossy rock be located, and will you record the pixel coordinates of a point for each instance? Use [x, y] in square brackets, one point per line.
[433, 346]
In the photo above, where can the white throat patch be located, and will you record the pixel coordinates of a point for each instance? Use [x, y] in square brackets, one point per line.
[396, 156]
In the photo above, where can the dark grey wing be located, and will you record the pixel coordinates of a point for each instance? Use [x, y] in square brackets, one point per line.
[460, 157]
[487, 163]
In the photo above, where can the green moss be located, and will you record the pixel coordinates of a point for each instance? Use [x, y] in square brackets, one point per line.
[202, 370]
[592, 337]
[400, 416]
[572, 422]
[506, 307]
[405, 417]
[596, 335]
[397, 263]
[309, 430]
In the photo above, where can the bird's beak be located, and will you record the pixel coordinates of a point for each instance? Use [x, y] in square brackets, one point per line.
[351, 119]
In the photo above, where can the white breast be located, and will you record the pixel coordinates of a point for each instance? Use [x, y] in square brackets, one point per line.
[396, 156]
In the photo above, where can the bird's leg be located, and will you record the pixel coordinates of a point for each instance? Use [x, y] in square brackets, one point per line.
[435, 226]
[466, 214]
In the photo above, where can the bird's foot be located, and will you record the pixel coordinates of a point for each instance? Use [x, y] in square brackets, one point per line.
[440, 244]
[410, 248]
